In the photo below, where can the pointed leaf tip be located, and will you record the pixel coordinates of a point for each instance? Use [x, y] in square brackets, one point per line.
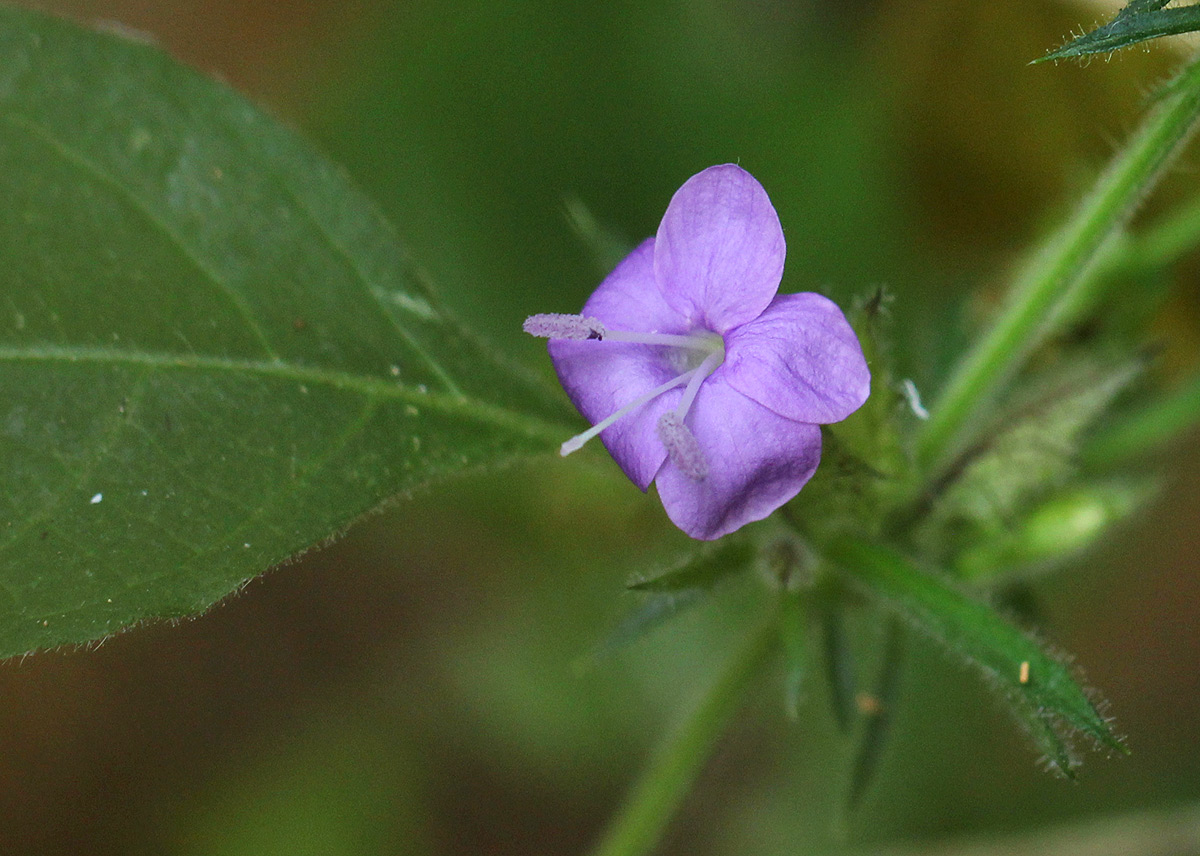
[1050, 702]
[1137, 22]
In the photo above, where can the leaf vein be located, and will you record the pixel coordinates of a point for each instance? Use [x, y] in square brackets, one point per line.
[314, 465]
[369, 387]
[103, 447]
[79, 161]
[352, 263]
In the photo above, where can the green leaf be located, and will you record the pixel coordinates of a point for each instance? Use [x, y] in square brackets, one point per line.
[879, 715]
[797, 651]
[703, 569]
[839, 658]
[1135, 7]
[675, 591]
[1041, 689]
[872, 433]
[650, 613]
[1139, 21]
[213, 350]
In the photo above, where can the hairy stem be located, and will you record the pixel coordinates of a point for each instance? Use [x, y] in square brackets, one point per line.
[1056, 273]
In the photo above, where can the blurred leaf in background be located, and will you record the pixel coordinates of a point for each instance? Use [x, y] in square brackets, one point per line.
[474, 123]
[340, 788]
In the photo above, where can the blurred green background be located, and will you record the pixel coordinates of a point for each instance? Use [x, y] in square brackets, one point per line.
[416, 688]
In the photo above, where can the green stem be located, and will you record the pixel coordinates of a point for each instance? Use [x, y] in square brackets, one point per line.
[641, 820]
[1056, 271]
[1156, 248]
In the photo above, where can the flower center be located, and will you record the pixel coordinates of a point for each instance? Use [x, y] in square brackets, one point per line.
[701, 344]
[695, 356]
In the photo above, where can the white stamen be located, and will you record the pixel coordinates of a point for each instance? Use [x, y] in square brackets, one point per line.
[579, 439]
[914, 399]
[551, 325]
[696, 343]
[682, 446]
[710, 364]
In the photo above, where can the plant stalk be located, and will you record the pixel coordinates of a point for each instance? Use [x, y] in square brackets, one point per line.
[1055, 274]
[640, 822]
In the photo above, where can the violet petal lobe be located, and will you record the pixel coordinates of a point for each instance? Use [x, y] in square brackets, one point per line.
[602, 377]
[757, 461]
[801, 359]
[719, 250]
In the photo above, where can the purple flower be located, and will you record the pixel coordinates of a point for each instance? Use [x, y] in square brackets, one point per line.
[695, 374]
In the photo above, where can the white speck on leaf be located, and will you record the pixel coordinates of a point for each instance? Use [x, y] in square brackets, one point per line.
[416, 305]
[139, 140]
[97, 499]
[409, 303]
[124, 31]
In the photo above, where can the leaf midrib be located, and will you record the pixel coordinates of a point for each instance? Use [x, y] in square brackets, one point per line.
[370, 387]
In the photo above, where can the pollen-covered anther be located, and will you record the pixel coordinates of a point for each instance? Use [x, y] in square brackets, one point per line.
[552, 325]
[682, 448]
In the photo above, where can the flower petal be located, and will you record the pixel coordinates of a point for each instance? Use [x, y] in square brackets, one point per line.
[757, 461]
[799, 358]
[602, 377]
[719, 250]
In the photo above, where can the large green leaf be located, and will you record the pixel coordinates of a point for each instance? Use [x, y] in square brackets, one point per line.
[213, 351]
